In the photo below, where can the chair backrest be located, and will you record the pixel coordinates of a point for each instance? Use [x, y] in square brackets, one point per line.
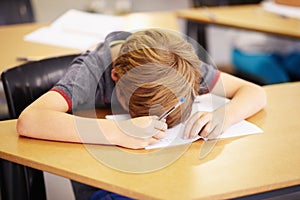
[25, 83]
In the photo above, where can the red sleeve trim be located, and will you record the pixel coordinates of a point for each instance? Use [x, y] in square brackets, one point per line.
[215, 79]
[65, 96]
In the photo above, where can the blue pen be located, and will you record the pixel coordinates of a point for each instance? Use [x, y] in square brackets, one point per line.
[168, 112]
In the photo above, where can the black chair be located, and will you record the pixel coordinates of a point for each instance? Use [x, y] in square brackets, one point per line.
[22, 85]
[16, 12]
[25, 83]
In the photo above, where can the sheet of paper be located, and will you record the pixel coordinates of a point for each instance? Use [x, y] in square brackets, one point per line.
[77, 29]
[174, 135]
[207, 102]
[283, 10]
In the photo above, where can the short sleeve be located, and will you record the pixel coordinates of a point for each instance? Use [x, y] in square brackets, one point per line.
[79, 85]
[88, 83]
[210, 76]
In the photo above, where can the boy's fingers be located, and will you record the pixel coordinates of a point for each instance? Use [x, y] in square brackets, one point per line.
[199, 125]
[190, 123]
[213, 134]
[142, 127]
[152, 141]
[160, 125]
[159, 135]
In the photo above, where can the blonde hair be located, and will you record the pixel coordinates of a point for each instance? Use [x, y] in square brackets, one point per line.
[155, 69]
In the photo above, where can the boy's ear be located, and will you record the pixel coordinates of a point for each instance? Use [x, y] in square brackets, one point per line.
[114, 76]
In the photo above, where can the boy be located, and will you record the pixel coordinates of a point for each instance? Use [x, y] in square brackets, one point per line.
[145, 73]
[155, 69]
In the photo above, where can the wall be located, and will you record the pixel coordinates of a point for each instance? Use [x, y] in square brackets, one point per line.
[220, 42]
[47, 11]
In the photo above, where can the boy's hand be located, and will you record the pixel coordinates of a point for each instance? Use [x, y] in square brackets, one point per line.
[140, 132]
[207, 124]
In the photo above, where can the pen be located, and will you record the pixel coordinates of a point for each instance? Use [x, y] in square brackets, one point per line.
[28, 59]
[168, 112]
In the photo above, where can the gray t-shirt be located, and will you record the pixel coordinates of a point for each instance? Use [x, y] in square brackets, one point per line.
[88, 82]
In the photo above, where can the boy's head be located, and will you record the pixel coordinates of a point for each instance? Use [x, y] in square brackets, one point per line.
[155, 68]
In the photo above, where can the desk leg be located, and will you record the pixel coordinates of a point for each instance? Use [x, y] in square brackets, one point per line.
[197, 32]
[21, 182]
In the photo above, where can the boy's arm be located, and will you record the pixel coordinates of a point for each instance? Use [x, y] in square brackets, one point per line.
[46, 118]
[246, 99]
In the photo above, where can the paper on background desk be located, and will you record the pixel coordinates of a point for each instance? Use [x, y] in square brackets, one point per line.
[77, 29]
[207, 102]
[280, 9]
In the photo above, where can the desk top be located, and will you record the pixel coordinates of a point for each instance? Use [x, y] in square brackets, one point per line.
[235, 167]
[13, 45]
[249, 17]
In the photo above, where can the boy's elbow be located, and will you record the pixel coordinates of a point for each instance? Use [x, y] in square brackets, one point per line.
[23, 124]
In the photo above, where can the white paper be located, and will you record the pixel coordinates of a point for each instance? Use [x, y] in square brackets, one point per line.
[283, 10]
[77, 29]
[208, 103]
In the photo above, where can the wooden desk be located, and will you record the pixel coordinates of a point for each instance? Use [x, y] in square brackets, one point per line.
[13, 45]
[249, 17]
[235, 167]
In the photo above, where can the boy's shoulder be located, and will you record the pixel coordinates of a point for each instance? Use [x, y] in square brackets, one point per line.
[117, 35]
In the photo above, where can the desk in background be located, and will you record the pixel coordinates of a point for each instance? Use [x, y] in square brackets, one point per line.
[13, 45]
[235, 167]
[248, 17]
